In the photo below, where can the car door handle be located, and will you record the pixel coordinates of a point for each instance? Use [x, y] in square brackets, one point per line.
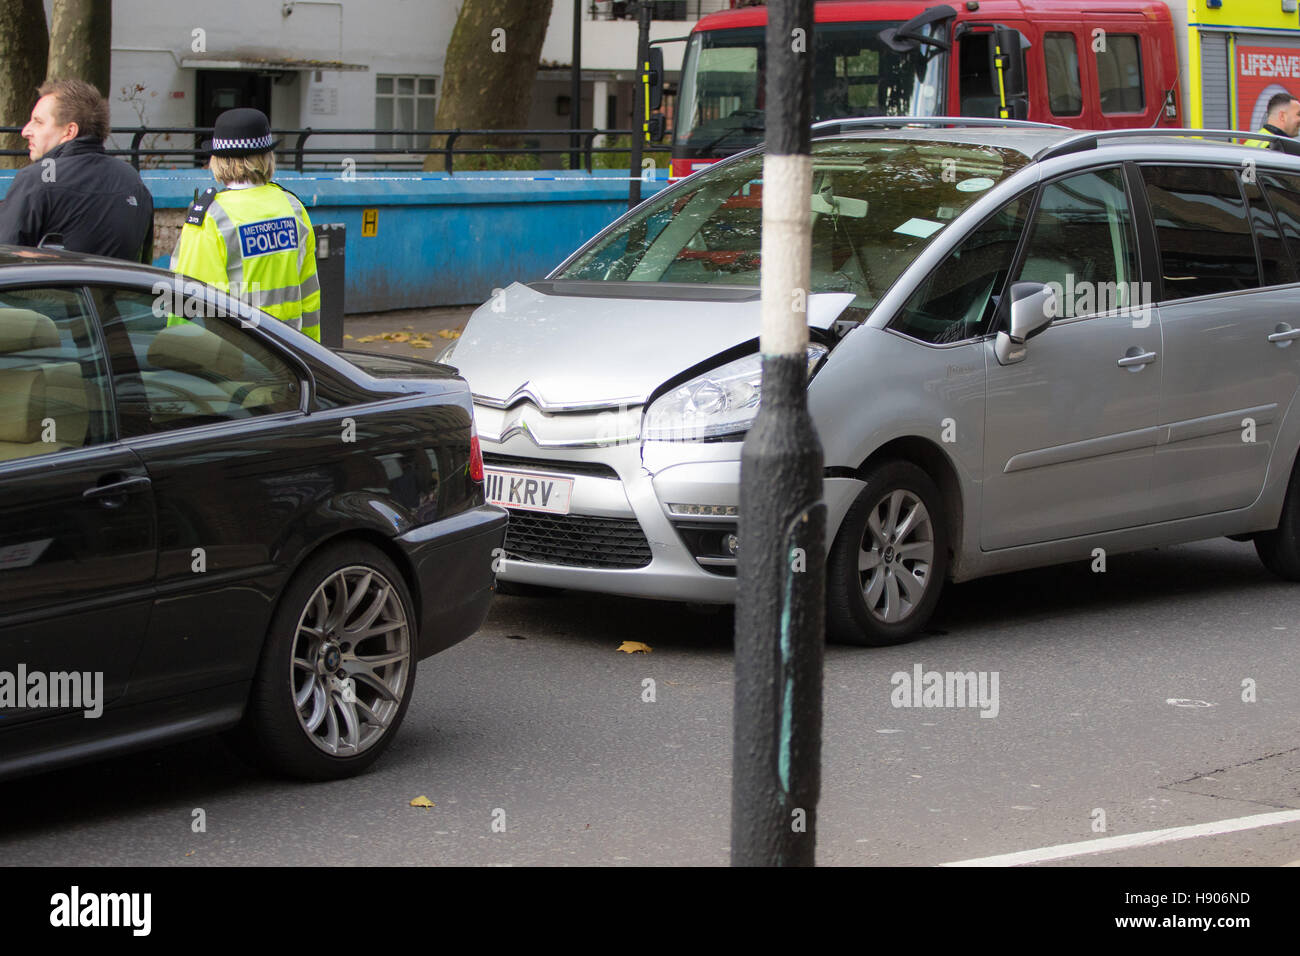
[1137, 359]
[1284, 335]
[114, 492]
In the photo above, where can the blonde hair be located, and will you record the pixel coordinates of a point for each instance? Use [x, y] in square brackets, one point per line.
[257, 169]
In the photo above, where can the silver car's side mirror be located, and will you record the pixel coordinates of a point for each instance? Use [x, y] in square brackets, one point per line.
[1033, 306]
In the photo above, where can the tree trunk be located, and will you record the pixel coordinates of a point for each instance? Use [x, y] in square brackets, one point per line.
[491, 67]
[24, 46]
[81, 41]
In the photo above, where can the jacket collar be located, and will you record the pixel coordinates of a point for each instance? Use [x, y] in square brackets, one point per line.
[76, 147]
[1270, 128]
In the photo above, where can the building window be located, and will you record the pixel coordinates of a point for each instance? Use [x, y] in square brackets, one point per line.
[404, 102]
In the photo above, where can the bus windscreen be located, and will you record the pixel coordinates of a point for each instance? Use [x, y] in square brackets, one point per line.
[854, 74]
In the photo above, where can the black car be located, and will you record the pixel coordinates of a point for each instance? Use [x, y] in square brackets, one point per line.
[210, 522]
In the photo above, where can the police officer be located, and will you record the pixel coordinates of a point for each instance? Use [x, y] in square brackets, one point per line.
[252, 238]
[1282, 119]
[95, 202]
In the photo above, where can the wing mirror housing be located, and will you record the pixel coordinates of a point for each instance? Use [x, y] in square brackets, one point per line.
[1033, 306]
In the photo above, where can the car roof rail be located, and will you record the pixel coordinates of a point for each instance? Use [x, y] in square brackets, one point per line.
[833, 126]
[1093, 138]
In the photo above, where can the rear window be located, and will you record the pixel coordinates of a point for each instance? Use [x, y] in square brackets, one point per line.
[1284, 196]
[1205, 241]
[875, 205]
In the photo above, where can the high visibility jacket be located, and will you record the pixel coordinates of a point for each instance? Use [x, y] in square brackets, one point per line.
[1268, 130]
[256, 243]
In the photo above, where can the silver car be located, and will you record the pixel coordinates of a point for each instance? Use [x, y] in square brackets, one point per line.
[1028, 346]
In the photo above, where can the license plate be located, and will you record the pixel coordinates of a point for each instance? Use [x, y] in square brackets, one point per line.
[528, 492]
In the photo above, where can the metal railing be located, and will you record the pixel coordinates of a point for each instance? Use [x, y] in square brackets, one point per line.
[294, 151]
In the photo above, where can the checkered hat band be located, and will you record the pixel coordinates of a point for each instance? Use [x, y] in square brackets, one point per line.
[261, 142]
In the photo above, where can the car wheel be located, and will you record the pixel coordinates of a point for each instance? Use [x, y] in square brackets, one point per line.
[1279, 549]
[337, 669]
[887, 566]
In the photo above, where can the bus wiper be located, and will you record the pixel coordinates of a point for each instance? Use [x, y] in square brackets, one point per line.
[746, 128]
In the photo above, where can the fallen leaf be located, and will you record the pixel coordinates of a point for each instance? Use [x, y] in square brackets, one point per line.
[347, 336]
[396, 337]
[421, 345]
[449, 333]
[367, 338]
[634, 647]
[423, 802]
[410, 328]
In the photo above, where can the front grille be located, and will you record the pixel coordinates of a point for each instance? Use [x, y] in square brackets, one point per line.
[576, 541]
[595, 468]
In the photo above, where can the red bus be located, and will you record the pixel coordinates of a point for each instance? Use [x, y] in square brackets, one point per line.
[1113, 64]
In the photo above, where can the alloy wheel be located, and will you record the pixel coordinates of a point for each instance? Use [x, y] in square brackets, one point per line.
[351, 654]
[896, 556]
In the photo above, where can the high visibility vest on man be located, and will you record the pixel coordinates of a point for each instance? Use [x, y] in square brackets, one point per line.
[256, 243]
[1267, 129]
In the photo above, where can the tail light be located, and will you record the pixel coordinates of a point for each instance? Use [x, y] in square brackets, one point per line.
[475, 456]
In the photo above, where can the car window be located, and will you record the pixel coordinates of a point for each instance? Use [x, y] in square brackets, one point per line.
[957, 300]
[1273, 255]
[1119, 73]
[875, 205]
[1284, 196]
[1202, 230]
[53, 376]
[1081, 242]
[171, 372]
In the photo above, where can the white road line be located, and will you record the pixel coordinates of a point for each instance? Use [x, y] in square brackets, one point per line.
[1130, 840]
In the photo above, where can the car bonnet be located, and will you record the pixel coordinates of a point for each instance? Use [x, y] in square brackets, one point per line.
[586, 351]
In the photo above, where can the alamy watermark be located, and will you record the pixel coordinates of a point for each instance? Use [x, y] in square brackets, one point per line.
[76, 909]
[922, 688]
[1076, 298]
[52, 690]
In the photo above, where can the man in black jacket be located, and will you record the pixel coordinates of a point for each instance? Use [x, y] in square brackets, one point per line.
[97, 203]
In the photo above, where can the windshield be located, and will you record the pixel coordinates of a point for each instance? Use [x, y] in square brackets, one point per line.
[875, 204]
[854, 74]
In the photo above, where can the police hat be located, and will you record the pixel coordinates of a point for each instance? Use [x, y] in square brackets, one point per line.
[242, 132]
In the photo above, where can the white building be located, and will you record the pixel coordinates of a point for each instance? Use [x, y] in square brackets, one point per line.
[351, 64]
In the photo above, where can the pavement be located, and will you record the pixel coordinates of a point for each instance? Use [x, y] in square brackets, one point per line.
[414, 333]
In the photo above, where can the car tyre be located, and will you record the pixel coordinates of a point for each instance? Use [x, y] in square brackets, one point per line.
[1279, 549]
[887, 566]
[346, 615]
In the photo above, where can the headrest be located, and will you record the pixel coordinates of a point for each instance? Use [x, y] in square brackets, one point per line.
[192, 348]
[22, 329]
[22, 404]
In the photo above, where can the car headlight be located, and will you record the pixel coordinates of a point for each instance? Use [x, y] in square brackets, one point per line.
[720, 402]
